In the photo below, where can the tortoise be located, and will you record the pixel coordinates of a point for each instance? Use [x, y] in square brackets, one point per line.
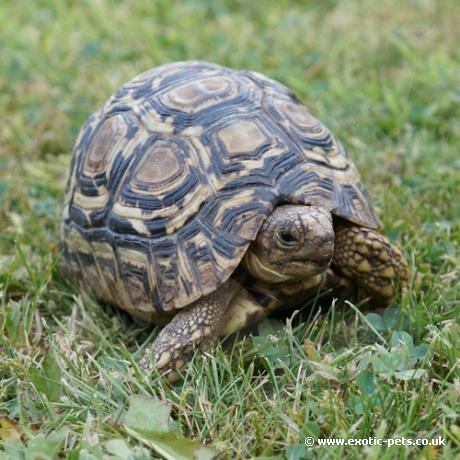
[203, 197]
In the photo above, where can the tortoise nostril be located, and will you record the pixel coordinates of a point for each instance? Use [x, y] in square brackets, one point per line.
[327, 238]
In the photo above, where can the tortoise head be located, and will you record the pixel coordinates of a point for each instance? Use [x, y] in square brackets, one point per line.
[295, 242]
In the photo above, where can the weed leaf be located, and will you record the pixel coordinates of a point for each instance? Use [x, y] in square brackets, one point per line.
[148, 420]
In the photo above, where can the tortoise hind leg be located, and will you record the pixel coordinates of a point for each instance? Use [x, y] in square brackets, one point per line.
[196, 326]
[368, 258]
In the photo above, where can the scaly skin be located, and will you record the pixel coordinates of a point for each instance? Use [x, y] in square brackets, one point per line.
[370, 260]
[197, 326]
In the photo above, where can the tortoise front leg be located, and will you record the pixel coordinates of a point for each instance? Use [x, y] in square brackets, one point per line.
[369, 259]
[196, 326]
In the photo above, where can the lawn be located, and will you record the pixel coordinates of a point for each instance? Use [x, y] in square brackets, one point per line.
[384, 76]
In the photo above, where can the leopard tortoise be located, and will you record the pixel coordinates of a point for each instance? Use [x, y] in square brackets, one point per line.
[196, 188]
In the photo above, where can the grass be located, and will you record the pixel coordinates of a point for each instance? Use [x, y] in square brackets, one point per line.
[384, 76]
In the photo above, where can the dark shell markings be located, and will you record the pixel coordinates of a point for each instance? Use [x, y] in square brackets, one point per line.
[172, 178]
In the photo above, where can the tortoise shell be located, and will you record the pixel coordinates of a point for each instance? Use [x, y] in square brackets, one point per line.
[172, 178]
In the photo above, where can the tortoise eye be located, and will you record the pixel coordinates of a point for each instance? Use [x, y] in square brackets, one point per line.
[287, 238]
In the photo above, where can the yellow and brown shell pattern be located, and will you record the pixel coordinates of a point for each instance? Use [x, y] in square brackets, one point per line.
[172, 178]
